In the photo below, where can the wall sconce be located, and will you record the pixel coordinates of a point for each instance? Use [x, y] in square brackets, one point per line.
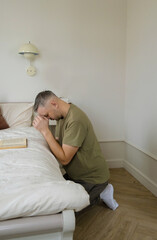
[29, 51]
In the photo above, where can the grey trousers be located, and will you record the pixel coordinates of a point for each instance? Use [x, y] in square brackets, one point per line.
[93, 190]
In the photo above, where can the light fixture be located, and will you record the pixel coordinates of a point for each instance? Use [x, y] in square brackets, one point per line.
[29, 51]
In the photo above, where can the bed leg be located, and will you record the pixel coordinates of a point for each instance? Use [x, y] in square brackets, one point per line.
[68, 224]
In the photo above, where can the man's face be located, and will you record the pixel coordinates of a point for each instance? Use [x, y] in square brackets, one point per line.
[50, 111]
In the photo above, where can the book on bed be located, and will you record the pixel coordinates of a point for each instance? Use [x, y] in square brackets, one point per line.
[13, 143]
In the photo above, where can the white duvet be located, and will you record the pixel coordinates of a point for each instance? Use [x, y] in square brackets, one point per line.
[31, 182]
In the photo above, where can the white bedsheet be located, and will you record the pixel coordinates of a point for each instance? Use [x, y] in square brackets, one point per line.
[31, 182]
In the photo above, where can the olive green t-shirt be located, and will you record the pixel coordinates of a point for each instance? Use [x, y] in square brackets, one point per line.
[88, 164]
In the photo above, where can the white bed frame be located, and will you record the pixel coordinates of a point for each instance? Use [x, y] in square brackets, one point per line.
[51, 227]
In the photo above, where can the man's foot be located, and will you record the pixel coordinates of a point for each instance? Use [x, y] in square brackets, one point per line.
[107, 197]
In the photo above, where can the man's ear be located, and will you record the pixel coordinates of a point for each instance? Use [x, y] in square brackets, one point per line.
[54, 103]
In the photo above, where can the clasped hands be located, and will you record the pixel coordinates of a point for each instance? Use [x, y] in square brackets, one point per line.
[41, 123]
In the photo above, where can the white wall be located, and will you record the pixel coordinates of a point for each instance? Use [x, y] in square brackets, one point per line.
[82, 55]
[140, 92]
[142, 167]
[141, 75]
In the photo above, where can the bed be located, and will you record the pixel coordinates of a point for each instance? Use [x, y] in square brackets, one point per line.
[36, 202]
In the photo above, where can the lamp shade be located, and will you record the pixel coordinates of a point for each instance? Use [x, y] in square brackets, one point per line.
[29, 51]
[28, 48]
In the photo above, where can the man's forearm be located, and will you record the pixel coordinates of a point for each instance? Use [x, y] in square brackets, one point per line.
[56, 149]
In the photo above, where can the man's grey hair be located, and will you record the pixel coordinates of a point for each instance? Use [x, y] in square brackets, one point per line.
[42, 98]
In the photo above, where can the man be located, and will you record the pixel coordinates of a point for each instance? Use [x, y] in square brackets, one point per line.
[75, 146]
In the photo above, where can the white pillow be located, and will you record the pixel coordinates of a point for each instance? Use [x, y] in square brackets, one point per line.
[17, 114]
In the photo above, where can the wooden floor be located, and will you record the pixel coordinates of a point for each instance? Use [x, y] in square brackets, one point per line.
[134, 219]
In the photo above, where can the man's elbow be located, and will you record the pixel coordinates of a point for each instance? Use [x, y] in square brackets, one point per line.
[65, 161]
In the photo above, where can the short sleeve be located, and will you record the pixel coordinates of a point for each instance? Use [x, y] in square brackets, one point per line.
[74, 134]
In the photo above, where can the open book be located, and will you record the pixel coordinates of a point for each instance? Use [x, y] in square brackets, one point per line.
[13, 143]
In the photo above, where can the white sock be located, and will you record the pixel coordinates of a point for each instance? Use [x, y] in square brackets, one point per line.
[107, 197]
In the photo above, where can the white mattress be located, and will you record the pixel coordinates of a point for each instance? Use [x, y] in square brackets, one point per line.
[31, 182]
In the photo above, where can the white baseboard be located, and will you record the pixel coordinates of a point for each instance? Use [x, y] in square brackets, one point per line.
[142, 178]
[115, 163]
[121, 154]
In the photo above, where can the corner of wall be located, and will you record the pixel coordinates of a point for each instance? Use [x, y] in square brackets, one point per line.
[120, 154]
